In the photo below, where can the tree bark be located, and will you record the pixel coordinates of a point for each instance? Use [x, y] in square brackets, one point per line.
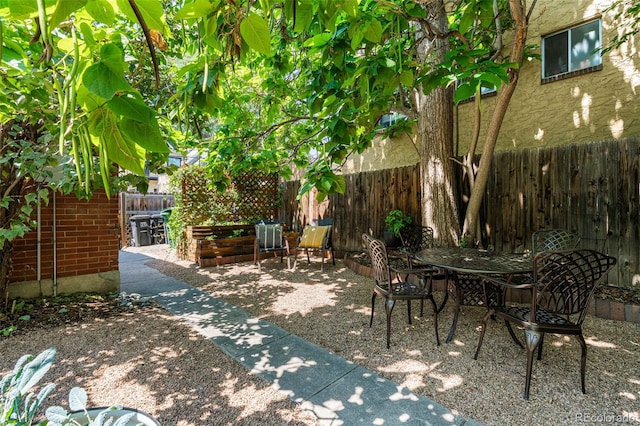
[519, 15]
[435, 139]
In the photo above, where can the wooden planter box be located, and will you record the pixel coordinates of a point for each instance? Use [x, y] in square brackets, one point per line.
[207, 251]
[224, 250]
[215, 245]
[201, 232]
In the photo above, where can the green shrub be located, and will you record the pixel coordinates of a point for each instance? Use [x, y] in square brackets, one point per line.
[396, 220]
[19, 405]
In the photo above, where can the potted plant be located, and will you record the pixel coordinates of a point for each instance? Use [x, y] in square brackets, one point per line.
[395, 221]
[19, 405]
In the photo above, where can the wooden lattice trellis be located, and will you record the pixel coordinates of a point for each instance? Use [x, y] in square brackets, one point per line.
[251, 196]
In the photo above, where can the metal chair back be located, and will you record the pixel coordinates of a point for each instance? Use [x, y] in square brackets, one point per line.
[566, 280]
[553, 240]
[416, 238]
[379, 260]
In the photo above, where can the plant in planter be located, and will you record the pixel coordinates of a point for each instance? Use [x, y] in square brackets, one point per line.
[19, 406]
[395, 221]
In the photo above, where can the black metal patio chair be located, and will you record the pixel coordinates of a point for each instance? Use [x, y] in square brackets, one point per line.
[393, 284]
[561, 289]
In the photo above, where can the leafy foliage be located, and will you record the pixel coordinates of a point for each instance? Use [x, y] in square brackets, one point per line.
[68, 109]
[396, 220]
[18, 405]
[627, 14]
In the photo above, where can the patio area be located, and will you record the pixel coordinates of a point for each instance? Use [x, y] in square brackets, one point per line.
[331, 309]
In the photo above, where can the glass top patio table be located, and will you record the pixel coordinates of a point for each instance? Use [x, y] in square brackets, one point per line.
[474, 261]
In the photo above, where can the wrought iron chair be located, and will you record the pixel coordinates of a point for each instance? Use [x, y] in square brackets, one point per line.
[390, 285]
[561, 289]
[470, 290]
[269, 239]
[463, 289]
[415, 238]
[553, 240]
[316, 237]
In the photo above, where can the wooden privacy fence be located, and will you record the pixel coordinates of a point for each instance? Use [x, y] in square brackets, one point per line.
[590, 189]
[132, 204]
[368, 197]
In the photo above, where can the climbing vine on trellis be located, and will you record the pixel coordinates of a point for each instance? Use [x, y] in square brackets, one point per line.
[250, 196]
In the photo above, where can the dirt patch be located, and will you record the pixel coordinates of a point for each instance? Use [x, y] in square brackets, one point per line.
[50, 312]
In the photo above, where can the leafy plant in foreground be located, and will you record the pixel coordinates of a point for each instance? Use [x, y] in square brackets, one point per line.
[18, 405]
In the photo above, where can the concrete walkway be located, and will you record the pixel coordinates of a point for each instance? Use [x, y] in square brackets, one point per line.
[337, 391]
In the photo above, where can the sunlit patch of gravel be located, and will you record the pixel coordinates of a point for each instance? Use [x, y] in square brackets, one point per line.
[332, 310]
[150, 361]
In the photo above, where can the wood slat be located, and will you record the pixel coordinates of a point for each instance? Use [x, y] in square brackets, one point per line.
[591, 189]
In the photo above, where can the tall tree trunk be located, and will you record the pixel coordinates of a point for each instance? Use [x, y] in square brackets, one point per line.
[435, 139]
[502, 103]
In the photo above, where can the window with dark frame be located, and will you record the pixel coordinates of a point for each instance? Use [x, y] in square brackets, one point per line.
[572, 50]
[390, 119]
[174, 161]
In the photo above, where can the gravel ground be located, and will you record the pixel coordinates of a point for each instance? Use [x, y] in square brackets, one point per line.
[150, 361]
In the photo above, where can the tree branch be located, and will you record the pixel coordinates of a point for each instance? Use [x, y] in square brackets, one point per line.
[147, 36]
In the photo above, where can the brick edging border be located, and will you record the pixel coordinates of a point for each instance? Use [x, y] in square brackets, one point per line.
[600, 308]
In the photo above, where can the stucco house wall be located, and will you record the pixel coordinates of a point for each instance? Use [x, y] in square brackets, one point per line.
[384, 153]
[594, 106]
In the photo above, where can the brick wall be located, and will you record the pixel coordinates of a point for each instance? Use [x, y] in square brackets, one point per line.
[87, 237]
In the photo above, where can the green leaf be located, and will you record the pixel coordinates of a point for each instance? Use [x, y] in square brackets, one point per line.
[103, 124]
[206, 102]
[30, 197]
[211, 27]
[78, 399]
[102, 81]
[35, 369]
[131, 107]
[23, 9]
[350, 7]
[492, 79]
[26, 210]
[373, 31]
[113, 57]
[151, 10]
[63, 10]
[467, 19]
[464, 91]
[304, 15]
[329, 100]
[146, 134]
[318, 40]
[56, 415]
[339, 184]
[255, 32]
[194, 10]
[407, 78]
[101, 11]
